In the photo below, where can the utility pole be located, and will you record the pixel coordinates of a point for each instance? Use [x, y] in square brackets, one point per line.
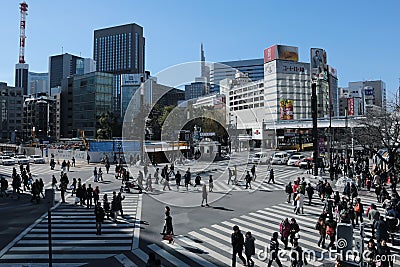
[314, 111]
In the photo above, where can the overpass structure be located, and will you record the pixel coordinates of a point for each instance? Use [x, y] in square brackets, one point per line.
[337, 122]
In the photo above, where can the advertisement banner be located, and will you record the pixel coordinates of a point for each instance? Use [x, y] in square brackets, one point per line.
[288, 53]
[319, 67]
[286, 109]
[368, 91]
[283, 52]
[332, 71]
[292, 67]
[350, 106]
[270, 53]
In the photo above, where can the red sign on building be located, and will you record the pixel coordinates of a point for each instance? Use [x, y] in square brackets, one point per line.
[350, 106]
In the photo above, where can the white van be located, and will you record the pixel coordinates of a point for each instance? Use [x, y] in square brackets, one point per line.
[280, 158]
[260, 158]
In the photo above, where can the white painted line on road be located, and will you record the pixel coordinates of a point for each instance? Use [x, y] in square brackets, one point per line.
[19, 264]
[191, 255]
[166, 255]
[124, 260]
[228, 240]
[57, 256]
[209, 251]
[72, 248]
[93, 235]
[136, 231]
[75, 242]
[27, 230]
[81, 230]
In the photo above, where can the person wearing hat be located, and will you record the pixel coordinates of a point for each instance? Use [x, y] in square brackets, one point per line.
[237, 241]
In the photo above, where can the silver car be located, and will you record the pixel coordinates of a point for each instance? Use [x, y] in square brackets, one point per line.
[6, 160]
[36, 159]
[21, 159]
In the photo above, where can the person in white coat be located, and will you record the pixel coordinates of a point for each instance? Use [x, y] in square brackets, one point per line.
[204, 195]
[300, 202]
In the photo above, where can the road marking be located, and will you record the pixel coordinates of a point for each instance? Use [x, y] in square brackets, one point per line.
[124, 260]
[166, 255]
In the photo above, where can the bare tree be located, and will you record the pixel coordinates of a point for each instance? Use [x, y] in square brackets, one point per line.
[380, 129]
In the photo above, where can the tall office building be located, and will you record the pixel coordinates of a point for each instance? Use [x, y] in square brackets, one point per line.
[38, 82]
[119, 49]
[21, 76]
[11, 112]
[92, 95]
[63, 66]
[227, 70]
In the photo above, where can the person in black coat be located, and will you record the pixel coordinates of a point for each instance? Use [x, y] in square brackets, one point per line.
[310, 193]
[274, 249]
[237, 241]
[99, 213]
[384, 254]
[249, 248]
[381, 229]
[168, 228]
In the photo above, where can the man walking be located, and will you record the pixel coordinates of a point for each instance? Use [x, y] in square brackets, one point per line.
[253, 172]
[99, 213]
[237, 241]
[248, 180]
[271, 176]
[274, 249]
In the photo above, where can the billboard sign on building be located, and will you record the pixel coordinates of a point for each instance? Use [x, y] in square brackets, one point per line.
[319, 66]
[332, 71]
[283, 52]
[368, 91]
[350, 106]
[292, 67]
[130, 79]
[286, 109]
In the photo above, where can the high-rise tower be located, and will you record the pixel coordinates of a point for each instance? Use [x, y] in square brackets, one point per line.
[119, 49]
[21, 68]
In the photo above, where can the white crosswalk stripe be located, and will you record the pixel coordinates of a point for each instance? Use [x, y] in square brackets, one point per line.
[211, 246]
[74, 236]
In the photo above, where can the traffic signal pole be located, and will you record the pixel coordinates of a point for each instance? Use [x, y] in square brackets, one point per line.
[314, 112]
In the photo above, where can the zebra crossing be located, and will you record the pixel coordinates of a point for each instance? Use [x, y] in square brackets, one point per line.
[74, 239]
[210, 246]
[220, 183]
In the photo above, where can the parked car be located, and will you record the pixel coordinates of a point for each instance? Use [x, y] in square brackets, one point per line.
[21, 159]
[280, 158]
[260, 158]
[293, 159]
[6, 160]
[8, 153]
[36, 159]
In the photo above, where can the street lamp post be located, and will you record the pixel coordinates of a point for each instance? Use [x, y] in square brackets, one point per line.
[346, 125]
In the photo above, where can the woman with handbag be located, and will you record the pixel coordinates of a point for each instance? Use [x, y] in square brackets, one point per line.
[168, 230]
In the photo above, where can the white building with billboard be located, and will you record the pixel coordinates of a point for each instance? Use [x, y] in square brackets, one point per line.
[283, 95]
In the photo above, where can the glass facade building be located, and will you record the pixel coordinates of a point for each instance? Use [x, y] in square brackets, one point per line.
[254, 68]
[92, 96]
[119, 49]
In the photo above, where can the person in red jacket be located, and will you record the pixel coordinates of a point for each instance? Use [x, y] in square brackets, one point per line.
[284, 229]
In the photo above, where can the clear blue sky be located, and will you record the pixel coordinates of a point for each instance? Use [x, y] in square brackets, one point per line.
[361, 37]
